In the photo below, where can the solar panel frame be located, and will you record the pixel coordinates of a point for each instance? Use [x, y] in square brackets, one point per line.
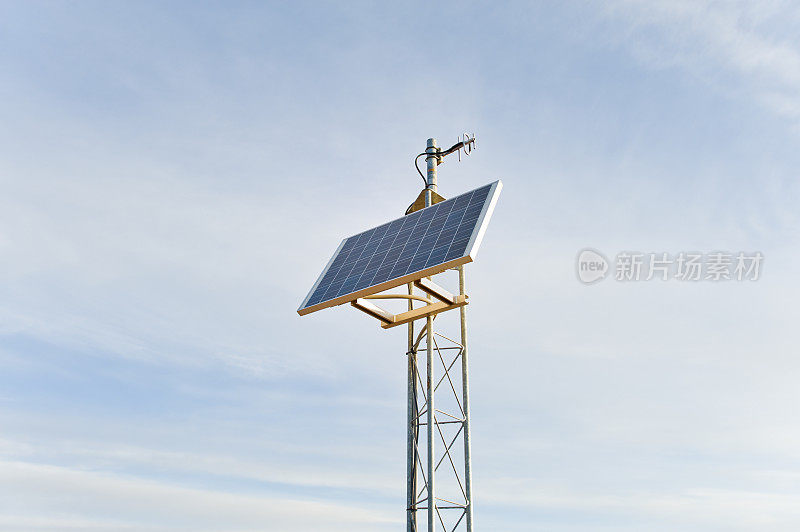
[368, 249]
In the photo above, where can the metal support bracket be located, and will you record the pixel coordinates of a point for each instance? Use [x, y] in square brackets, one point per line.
[389, 320]
[433, 289]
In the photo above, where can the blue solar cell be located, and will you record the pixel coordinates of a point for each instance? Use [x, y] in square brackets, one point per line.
[340, 257]
[419, 232]
[341, 277]
[404, 235]
[365, 280]
[393, 254]
[445, 237]
[473, 210]
[400, 267]
[419, 260]
[396, 225]
[364, 237]
[437, 254]
[330, 293]
[383, 274]
[452, 254]
[458, 211]
[426, 216]
[354, 254]
[380, 231]
[449, 229]
[458, 248]
[375, 261]
[461, 201]
[435, 226]
[464, 230]
[454, 218]
[328, 277]
[410, 249]
[386, 243]
[444, 208]
[348, 244]
[428, 242]
[451, 226]
[361, 265]
[371, 247]
[348, 285]
[460, 243]
[411, 220]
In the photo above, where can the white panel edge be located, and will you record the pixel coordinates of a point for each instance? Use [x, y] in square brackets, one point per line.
[483, 221]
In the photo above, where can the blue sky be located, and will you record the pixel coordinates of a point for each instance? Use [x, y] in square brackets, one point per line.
[175, 176]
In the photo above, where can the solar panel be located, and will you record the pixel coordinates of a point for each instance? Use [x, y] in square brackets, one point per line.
[417, 245]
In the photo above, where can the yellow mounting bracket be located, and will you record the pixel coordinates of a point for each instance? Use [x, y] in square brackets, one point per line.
[446, 301]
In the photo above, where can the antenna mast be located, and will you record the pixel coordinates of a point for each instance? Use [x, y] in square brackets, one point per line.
[434, 426]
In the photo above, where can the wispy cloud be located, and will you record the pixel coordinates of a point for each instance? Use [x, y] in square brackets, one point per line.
[68, 499]
[694, 508]
[748, 48]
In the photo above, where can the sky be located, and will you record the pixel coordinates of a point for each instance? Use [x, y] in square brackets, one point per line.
[175, 175]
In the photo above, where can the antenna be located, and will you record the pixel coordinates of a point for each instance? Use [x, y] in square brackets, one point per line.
[435, 236]
[468, 144]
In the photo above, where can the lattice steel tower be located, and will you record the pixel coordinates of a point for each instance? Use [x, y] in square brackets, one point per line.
[435, 236]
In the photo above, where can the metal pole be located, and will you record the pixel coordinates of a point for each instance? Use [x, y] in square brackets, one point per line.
[465, 392]
[432, 162]
[411, 465]
[429, 426]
